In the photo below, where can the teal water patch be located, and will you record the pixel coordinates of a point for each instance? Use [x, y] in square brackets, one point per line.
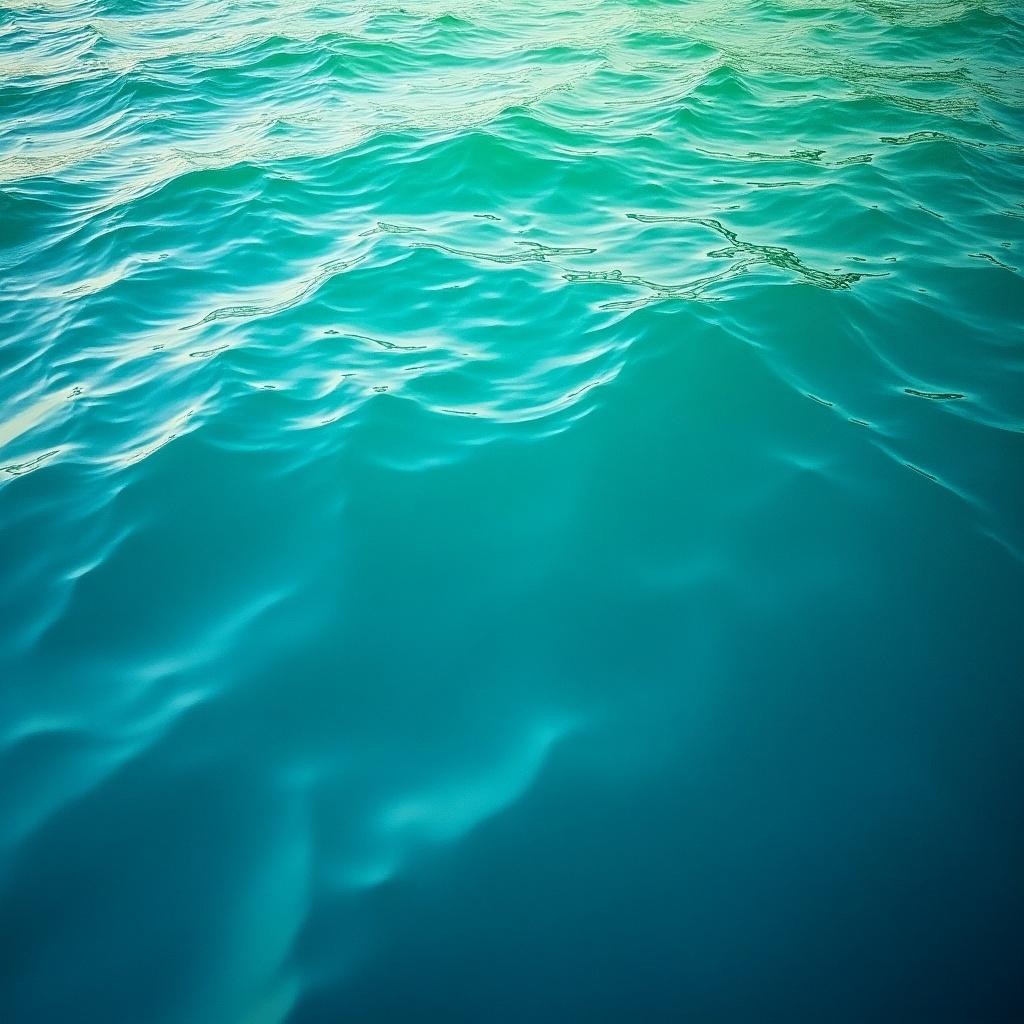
[511, 512]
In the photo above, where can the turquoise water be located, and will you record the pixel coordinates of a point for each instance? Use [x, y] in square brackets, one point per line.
[511, 511]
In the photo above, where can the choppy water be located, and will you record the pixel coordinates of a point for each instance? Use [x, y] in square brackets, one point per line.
[511, 511]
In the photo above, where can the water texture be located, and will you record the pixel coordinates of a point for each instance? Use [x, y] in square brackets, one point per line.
[511, 511]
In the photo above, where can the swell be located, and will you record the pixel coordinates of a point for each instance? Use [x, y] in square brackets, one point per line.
[580, 178]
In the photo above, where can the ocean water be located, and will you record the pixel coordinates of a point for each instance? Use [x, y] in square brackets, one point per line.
[511, 511]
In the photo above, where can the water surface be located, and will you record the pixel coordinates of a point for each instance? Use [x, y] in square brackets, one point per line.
[511, 511]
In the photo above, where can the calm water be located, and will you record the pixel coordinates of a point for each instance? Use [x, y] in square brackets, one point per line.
[511, 511]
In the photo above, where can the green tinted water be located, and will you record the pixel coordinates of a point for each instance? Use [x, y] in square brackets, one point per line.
[511, 512]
